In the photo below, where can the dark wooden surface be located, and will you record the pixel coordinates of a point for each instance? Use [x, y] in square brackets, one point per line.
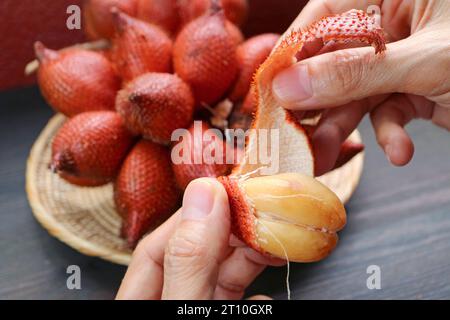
[399, 219]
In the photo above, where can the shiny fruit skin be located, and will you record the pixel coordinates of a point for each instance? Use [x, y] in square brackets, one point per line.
[145, 191]
[98, 19]
[163, 13]
[155, 104]
[76, 80]
[89, 148]
[193, 142]
[205, 57]
[139, 47]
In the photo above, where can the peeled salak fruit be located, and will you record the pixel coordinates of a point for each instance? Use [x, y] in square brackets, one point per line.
[291, 216]
[155, 104]
[89, 148]
[76, 80]
[250, 55]
[235, 10]
[139, 47]
[192, 147]
[205, 57]
[160, 12]
[145, 191]
[98, 21]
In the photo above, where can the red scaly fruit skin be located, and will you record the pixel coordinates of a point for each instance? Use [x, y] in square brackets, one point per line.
[250, 55]
[155, 104]
[89, 148]
[249, 104]
[98, 21]
[234, 32]
[194, 144]
[76, 80]
[145, 191]
[205, 57]
[235, 10]
[160, 12]
[139, 47]
[242, 216]
[349, 150]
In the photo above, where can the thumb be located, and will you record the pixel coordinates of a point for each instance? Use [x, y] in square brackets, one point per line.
[339, 77]
[199, 244]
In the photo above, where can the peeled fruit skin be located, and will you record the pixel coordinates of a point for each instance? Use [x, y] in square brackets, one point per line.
[195, 144]
[155, 104]
[76, 80]
[89, 148]
[205, 57]
[98, 18]
[235, 10]
[250, 55]
[139, 47]
[160, 12]
[291, 216]
[145, 191]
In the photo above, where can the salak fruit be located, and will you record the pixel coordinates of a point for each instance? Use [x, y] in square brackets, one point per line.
[160, 12]
[76, 80]
[145, 191]
[205, 56]
[155, 104]
[98, 21]
[90, 147]
[235, 10]
[139, 47]
[194, 148]
[250, 55]
[290, 214]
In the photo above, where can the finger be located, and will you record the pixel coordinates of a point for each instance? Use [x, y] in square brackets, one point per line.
[339, 77]
[441, 117]
[199, 244]
[388, 121]
[239, 270]
[335, 127]
[144, 277]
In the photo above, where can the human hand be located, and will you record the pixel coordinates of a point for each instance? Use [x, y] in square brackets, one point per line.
[410, 81]
[193, 255]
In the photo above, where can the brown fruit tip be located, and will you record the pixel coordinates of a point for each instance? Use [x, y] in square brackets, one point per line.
[43, 53]
[62, 161]
[120, 19]
[216, 8]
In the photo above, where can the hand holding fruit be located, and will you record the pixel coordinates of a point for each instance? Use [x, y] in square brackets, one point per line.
[411, 81]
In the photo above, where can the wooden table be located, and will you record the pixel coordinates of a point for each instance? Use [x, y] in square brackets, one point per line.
[399, 219]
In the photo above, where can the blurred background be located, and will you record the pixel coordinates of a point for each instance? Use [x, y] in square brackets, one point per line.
[398, 219]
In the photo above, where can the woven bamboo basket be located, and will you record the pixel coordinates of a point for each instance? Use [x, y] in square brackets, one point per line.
[85, 218]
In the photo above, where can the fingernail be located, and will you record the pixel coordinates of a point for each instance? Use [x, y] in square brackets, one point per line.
[198, 200]
[388, 151]
[293, 84]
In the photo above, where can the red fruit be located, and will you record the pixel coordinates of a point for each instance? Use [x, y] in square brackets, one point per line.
[89, 148]
[145, 191]
[139, 47]
[155, 104]
[349, 149]
[160, 12]
[196, 150]
[235, 10]
[249, 103]
[250, 55]
[76, 80]
[205, 57]
[98, 19]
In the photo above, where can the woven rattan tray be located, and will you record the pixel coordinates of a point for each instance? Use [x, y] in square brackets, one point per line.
[85, 218]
